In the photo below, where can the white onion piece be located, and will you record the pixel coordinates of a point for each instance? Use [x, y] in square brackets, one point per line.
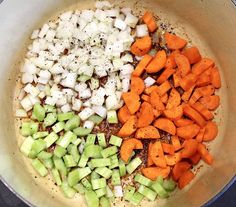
[21, 113]
[86, 113]
[100, 110]
[120, 24]
[66, 16]
[44, 76]
[88, 125]
[34, 35]
[66, 108]
[141, 30]
[33, 99]
[28, 67]
[149, 81]
[126, 69]
[26, 103]
[118, 191]
[81, 147]
[41, 95]
[127, 58]
[86, 93]
[76, 104]
[94, 84]
[131, 20]
[43, 31]
[34, 91]
[87, 103]
[50, 101]
[125, 84]
[57, 69]
[21, 94]
[27, 78]
[70, 80]
[111, 102]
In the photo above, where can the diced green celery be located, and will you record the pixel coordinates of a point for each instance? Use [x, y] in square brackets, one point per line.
[65, 116]
[77, 141]
[114, 161]
[148, 193]
[109, 192]
[129, 192]
[69, 161]
[27, 145]
[91, 199]
[133, 165]
[107, 152]
[72, 123]
[122, 168]
[83, 78]
[48, 163]
[98, 183]
[38, 135]
[67, 190]
[85, 182]
[60, 165]
[28, 128]
[51, 138]
[136, 198]
[90, 165]
[44, 155]
[104, 202]
[59, 126]
[50, 109]
[66, 139]
[101, 192]
[74, 152]
[91, 138]
[83, 160]
[115, 178]
[96, 119]
[81, 132]
[116, 141]
[77, 174]
[161, 192]
[39, 167]
[93, 151]
[56, 176]
[38, 146]
[102, 162]
[160, 180]
[79, 188]
[104, 172]
[101, 139]
[50, 119]
[94, 175]
[143, 180]
[112, 117]
[59, 151]
[169, 185]
[39, 112]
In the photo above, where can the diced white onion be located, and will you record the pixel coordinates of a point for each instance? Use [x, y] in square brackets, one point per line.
[111, 102]
[149, 81]
[100, 110]
[120, 24]
[27, 78]
[141, 30]
[66, 108]
[21, 113]
[118, 191]
[86, 113]
[131, 20]
[70, 80]
[88, 125]
[76, 104]
[26, 103]
[85, 93]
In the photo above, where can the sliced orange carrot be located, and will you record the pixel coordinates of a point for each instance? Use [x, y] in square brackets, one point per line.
[199, 107]
[205, 155]
[164, 98]
[210, 132]
[141, 46]
[165, 125]
[149, 159]
[203, 80]
[154, 172]
[148, 132]
[157, 154]
[149, 20]
[123, 114]
[194, 115]
[163, 88]
[188, 81]
[174, 113]
[176, 143]
[179, 169]
[174, 99]
[195, 96]
[200, 135]
[195, 158]
[174, 42]
[170, 61]
[186, 95]
[146, 115]
[176, 79]
[192, 54]
[142, 65]
[150, 89]
[210, 102]
[132, 101]
[171, 160]
[157, 63]
[202, 65]
[137, 85]
[188, 132]
[189, 148]
[207, 90]
[183, 64]
[129, 127]
[127, 148]
[165, 75]
[215, 77]
[156, 102]
[157, 113]
[183, 122]
[145, 98]
[168, 148]
[185, 179]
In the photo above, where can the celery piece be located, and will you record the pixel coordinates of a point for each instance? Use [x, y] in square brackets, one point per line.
[77, 141]
[66, 139]
[161, 192]
[75, 153]
[148, 193]
[129, 192]
[83, 160]
[116, 141]
[50, 119]
[91, 199]
[65, 116]
[60, 166]
[122, 168]
[104, 172]
[38, 135]
[115, 178]
[133, 165]
[93, 151]
[28, 128]
[56, 176]
[143, 180]
[39, 112]
[101, 162]
[90, 139]
[101, 192]
[90, 165]
[81, 132]
[59, 126]
[69, 161]
[38, 146]
[48, 163]
[51, 138]
[85, 182]
[109, 151]
[114, 161]
[50, 109]
[39, 167]
[83, 78]
[27, 145]
[136, 198]
[79, 188]
[104, 202]
[67, 190]
[109, 192]
[95, 119]
[169, 185]
[72, 123]
[44, 155]
[112, 117]
[98, 183]
[101, 139]
[77, 174]
[94, 175]
[59, 151]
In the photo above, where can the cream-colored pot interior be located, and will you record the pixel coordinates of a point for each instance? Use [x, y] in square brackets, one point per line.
[211, 25]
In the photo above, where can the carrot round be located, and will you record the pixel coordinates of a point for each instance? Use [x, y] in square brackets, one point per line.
[211, 131]
[171, 160]
[150, 89]
[168, 148]
[179, 169]
[132, 101]
[199, 107]
[174, 42]
[149, 159]
[165, 125]
[127, 148]
[165, 75]
[195, 158]
[192, 54]
[174, 113]
[176, 79]
[207, 90]
[157, 154]
[205, 155]
[185, 179]
[146, 115]
[174, 99]
[137, 85]
[215, 77]
[189, 148]
[164, 98]
[154, 172]
[183, 64]
[188, 81]
[200, 135]
[176, 143]
[170, 61]
[148, 132]
[157, 63]
[210, 102]
[149, 20]
[141, 46]
[188, 132]
[123, 114]
[186, 95]
[202, 65]
[183, 122]
[145, 98]
[195, 96]
[203, 80]
[142, 65]
[129, 127]
[164, 88]
[156, 102]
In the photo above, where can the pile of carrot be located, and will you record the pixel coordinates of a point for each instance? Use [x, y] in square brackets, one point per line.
[186, 116]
